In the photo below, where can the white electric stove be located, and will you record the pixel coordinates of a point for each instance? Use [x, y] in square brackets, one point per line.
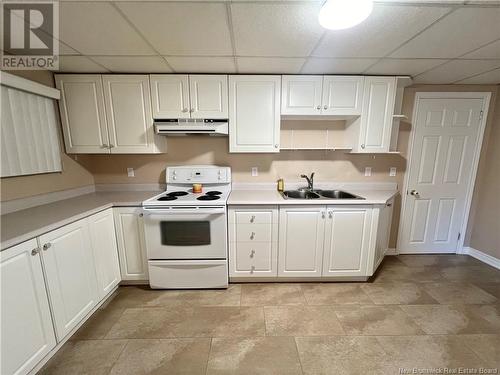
[186, 232]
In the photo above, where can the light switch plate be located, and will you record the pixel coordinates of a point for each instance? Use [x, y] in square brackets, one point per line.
[130, 172]
[368, 171]
[392, 172]
[255, 171]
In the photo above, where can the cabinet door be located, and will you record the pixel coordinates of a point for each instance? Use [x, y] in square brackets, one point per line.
[208, 96]
[27, 331]
[82, 113]
[253, 242]
[70, 272]
[301, 241]
[383, 234]
[254, 113]
[301, 95]
[376, 120]
[131, 247]
[347, 241]
[170, 96]
[102, 235]
[342, 96]
[128, 111]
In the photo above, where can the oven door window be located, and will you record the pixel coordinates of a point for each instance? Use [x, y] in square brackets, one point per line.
[185, 233]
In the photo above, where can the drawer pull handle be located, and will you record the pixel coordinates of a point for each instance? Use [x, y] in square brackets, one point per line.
[252, 219]
[330, 214]
[252, 236]
[35, 251]
[252, 253]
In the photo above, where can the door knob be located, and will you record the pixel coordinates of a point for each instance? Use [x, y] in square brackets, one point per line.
[415, 193]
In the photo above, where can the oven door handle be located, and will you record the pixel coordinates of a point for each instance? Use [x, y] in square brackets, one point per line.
[184, 210]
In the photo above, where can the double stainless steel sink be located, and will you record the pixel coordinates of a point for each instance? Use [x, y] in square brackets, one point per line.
[318, 194]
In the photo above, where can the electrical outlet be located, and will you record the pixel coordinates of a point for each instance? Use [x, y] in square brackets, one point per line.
[392, 172]
[130, 172]
[255, 171]
[368, 171]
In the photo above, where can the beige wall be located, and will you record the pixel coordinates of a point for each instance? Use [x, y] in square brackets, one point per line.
[73, 174]
[484, 222]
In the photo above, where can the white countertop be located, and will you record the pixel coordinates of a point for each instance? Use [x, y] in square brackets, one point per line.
[20, 226]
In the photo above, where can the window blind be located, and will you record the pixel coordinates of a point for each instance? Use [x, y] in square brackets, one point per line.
[29, 134]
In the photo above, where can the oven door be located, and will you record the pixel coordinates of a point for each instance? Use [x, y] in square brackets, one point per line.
[183, 232]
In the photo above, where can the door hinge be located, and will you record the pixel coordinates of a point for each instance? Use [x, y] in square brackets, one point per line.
[459, 234]
[481, 115]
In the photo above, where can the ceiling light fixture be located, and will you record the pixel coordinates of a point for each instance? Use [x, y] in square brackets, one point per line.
[342, 14]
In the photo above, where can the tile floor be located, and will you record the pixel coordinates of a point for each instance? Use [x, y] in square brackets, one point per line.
[419, 311]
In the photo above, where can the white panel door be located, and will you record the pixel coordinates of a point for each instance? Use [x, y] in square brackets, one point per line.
[170, 96]
[254, 113]
[70, 272]
[26, 324]
[301, 95]
[82, 113]
[301, 241]
[102, 235]
[446, 138]
[208, 96]
[131, 246]
[347, 241]
[128, 112]
[342, 95]
[376, 120]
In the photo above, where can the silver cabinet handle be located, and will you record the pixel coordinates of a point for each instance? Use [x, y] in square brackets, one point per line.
[111, 145]
[191, 110]
[318, 107]
[141, 215]
[330, 214]
[325, 107]
[363, 145]
[252, 236]
[184, 110]
[323, 214]
[276, 145]
[252, 253]
[47, 246]
[389, 204]
[252, 219]
[35, 251]
[104, 145]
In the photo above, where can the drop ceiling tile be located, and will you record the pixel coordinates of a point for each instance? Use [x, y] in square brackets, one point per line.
[99, 29]
[384, 30]
[456, 70]
[133, 64]
[458, 33]
[201, 64]
[491, 77]
[410, 67]
[279, 29]
[182, 28]
[79, 64]
[282, 65]
[316, 65]
[490, 51]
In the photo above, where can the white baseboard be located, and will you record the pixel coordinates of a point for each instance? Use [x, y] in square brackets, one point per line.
[391, 251]
[483, 257]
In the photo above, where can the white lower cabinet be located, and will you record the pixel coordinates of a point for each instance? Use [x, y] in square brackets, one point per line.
[70, 274]
[131, 246]
[253, 241]
[383, 235]
[103, 238]
[347, 241]
[27, 330]
[301, 241]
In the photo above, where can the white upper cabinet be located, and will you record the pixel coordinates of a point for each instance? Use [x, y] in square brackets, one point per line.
[27, 331]
[189, 96]
[128, 113]
[170, 95]
[208, 96]
[347, 241]
[301, 241]
[254, 113]
[82, 113]
[342, 96]
[71, 277]
[301, 95]
[377, 116]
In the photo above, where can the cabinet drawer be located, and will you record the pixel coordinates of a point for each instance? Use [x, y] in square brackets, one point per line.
[253, 257]
[254, 217]
[254, 233]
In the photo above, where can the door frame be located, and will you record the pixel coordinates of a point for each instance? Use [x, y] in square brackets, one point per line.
[486, 96]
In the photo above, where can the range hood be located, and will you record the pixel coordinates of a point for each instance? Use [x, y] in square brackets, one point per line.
[214, 127]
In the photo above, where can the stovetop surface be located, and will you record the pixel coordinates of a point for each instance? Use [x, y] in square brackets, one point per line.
[210, 195]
